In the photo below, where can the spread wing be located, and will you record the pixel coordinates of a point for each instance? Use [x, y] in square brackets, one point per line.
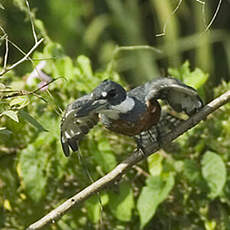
[178, 95]
[74, 128]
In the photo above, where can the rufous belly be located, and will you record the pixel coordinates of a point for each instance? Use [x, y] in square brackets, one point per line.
[144, 121]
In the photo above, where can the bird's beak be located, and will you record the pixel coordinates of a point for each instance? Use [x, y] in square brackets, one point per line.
[92, 106]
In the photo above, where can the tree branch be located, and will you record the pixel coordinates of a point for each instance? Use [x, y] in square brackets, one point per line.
[120, 169]
[26, 57]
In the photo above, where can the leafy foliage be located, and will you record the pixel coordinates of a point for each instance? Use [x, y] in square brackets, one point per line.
[156, 191]
[185, 187]
[214, 172]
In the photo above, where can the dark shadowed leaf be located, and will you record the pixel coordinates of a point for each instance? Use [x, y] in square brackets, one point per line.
[191, 170]
[104, 156]
[5, 131]
[31, 120]
[32, 171]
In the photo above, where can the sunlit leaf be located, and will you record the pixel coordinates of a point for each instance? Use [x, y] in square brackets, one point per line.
[93, 208]
[20, 4]
[2, 86]
[210, 225]
[195, 78]
[156, 191]
[65, 67]
[11, 114]
[85, 66]
[214, 172]
[20, 102]
[155, 164]
[7, 205]
[121, 203]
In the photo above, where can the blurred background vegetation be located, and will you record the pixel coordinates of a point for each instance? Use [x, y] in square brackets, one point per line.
[185, 188]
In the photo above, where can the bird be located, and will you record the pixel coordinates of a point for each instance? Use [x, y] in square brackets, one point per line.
[133, 113]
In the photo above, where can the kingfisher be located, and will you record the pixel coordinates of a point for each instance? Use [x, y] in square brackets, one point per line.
[134, 113]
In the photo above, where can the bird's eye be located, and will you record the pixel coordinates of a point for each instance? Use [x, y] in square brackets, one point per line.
[112, 93]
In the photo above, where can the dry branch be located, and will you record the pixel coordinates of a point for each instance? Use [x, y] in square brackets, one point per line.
[120, 169]
[26, 57]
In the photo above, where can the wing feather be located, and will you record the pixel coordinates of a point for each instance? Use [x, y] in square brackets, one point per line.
[179, 96]
[74, 128]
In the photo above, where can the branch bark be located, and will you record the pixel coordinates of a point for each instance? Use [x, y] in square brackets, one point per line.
[120, 169]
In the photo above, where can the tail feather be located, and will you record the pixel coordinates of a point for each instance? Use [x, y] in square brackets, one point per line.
[166, 124]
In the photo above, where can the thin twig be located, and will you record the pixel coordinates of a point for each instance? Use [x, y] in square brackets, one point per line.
[17, 47]
[26, 55]
[5, 36]
[140, 171]
[6, 53]
[116, 173]
[137, 47]
[119, 49]
[23, 59]
[201, 2]
[24, 92]
[31, 21]
[168, 19]
[214, 16]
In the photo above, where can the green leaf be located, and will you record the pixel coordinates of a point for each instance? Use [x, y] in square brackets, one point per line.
[214, 172]
[121, 203]
[104, 155]
[195, 78]
[191, 170]
[180, 71]
[11, 114]
[64, 67]
[31, 120]
[210, 225]
[156, 191]
[20, 102]
[32, 171]
[53, 49]
[20, 4]
[1, 6]
[104, 198]
[93, 208]
[155, 164]
[2, 86]
[84, 64]
[5, 131]
[95, 29]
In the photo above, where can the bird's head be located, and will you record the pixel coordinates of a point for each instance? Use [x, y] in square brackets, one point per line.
[103, 99]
